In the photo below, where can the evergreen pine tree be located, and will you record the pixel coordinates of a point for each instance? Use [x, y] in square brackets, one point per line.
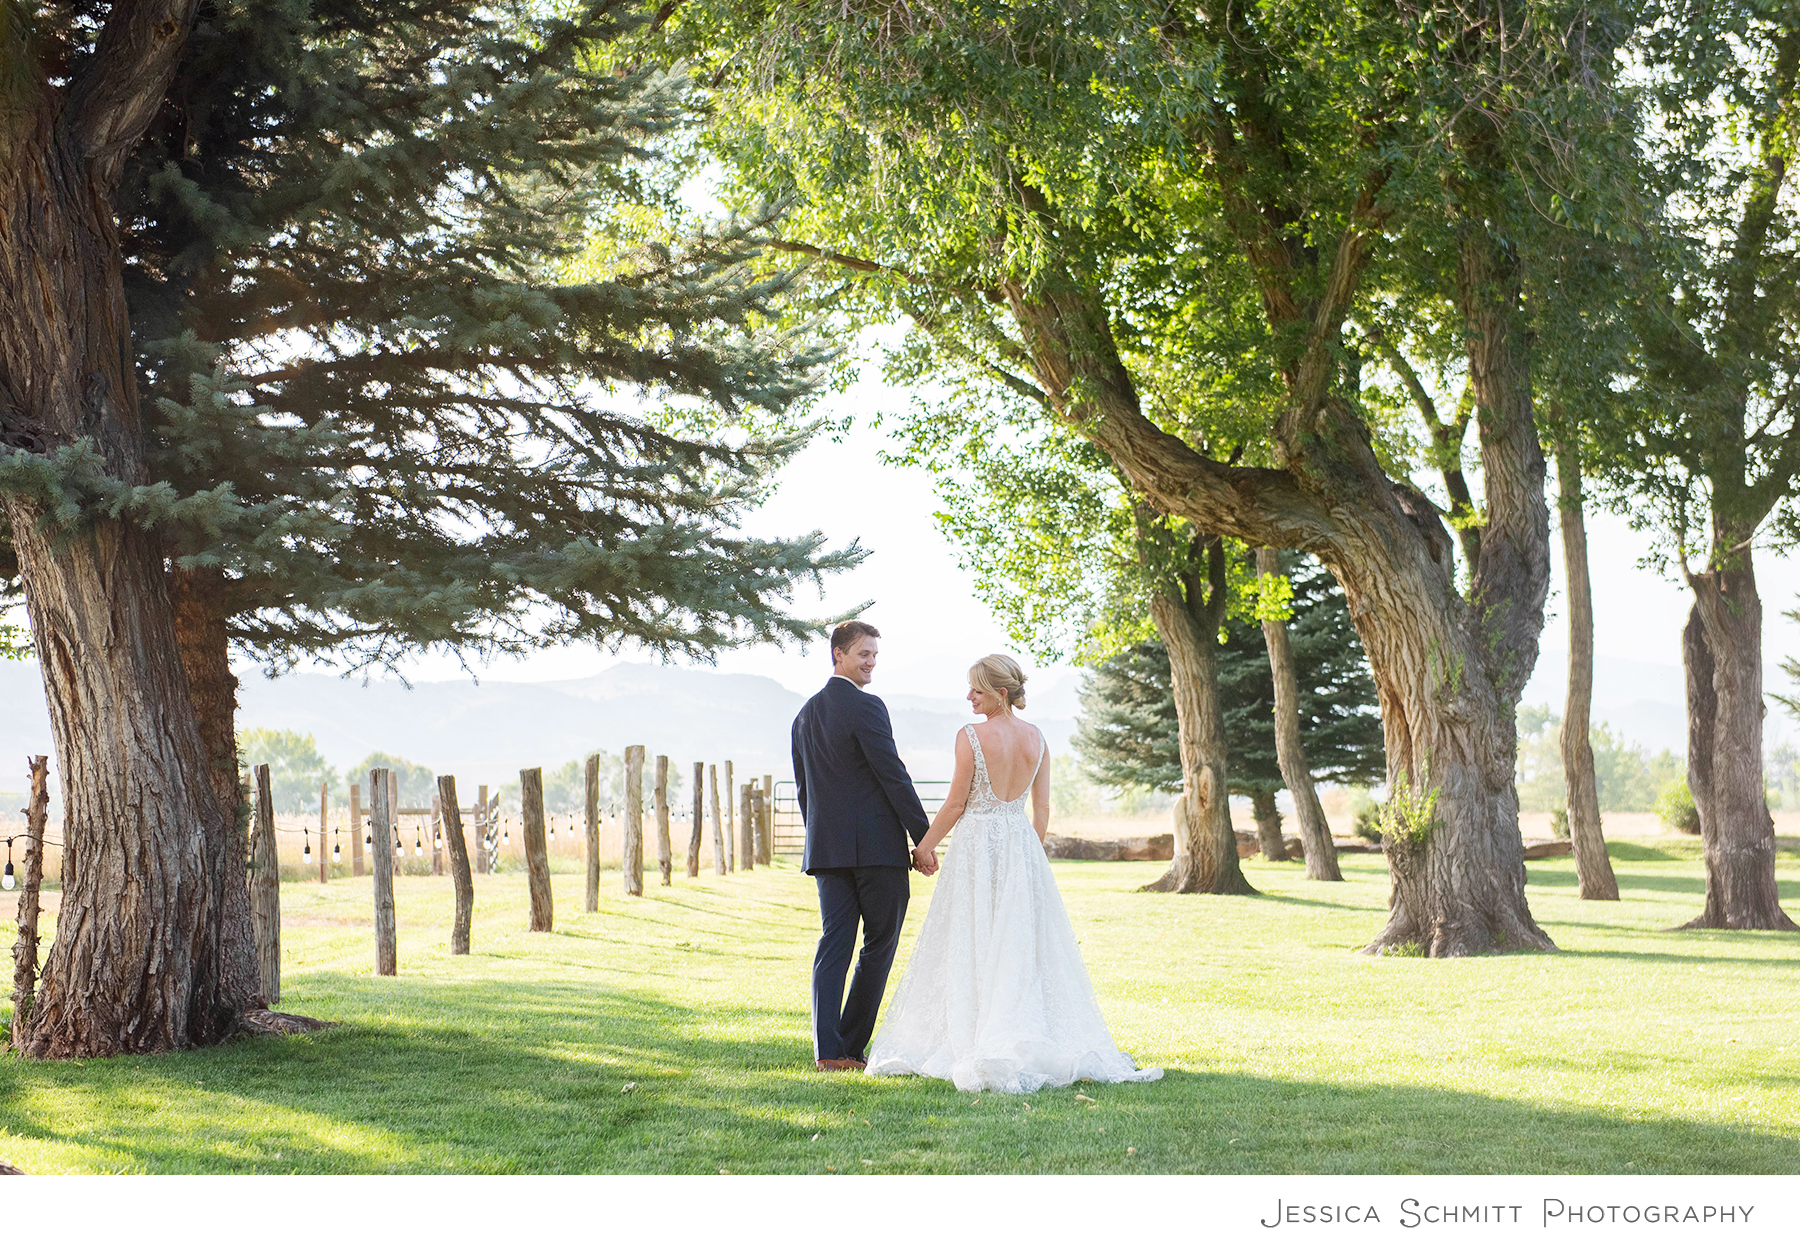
[383, 275]
[425, 358]
[1127, 731]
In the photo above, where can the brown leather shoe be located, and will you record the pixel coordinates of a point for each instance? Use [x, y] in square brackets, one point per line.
[831, 1063]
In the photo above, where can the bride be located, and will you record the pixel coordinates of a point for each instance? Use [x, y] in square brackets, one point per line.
[996, 997]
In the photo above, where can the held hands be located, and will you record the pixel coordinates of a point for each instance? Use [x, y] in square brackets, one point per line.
[925, 861]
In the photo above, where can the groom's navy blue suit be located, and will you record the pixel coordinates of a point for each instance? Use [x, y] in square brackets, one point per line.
[859, 805]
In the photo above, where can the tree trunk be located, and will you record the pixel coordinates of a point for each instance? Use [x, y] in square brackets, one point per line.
[1722, 653]
[139, 963]
[1269, 840]
[1593, 868]
[1206, 858]
[1290, 752]
[459, 866]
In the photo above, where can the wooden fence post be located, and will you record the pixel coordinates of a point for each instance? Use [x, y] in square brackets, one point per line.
[731, 840]
[746, 852]
[592, 900]
[459, 865]
[665, 855]
[437, 833]
[381, 857]
[25, 951]
[484, 830]
[265, 891]
[537, 852]
[356, 834]
[699, 819]
[765, 847]
[324, 824]
[718, 822]
[634, 819]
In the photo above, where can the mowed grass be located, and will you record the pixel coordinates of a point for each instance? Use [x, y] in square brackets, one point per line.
[669, 1033]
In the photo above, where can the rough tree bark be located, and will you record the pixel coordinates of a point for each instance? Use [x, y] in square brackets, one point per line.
[1187, 617]
[1593, 868]
[1290, 752]
[1269, 840]
[139, 963]
[1448, 667]
[1721, 651]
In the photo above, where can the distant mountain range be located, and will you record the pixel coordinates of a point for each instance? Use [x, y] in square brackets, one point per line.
[487, 732]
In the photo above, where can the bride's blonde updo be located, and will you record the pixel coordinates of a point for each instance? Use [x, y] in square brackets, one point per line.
[999, 675]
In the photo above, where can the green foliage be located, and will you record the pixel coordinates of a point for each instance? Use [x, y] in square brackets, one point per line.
[1675, 805]
[415, 783]
[433, 356]
[1409, 815]
[296, 770]
[15, 643]
[1127, 733]
[1626, 777]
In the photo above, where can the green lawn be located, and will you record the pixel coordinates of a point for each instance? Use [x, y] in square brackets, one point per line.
[670, 1034]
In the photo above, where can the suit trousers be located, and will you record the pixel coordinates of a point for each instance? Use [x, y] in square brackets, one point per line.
[875, 896]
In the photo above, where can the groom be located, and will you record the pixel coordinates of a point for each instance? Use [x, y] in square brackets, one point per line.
[859, 806]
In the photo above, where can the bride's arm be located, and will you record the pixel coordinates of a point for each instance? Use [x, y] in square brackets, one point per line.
[961, 779]
[1040, 800]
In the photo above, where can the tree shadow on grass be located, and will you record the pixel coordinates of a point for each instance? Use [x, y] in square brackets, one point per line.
[489, 1075]
[1693, 885]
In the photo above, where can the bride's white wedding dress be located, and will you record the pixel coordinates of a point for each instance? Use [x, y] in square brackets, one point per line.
[996, 997]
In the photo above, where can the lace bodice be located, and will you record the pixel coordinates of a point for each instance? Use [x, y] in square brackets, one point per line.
[981, 790]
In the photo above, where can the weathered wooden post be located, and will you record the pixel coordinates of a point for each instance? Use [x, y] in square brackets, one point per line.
[699, 819]
[634, 819]
[537, 852]
[718, 821]
[381, 857]
[591, 902]
[665, 855]
[746, 850]
[324, 825]
[265, 890]
[31, 881]
[437, 833]
[356, 834]
[459, 865]
[765, 848]
[730, 821]
[484, 830]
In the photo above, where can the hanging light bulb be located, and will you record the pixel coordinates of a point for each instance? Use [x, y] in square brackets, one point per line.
[306, 852]
[369, 835]
[337, 851]
[419, 842]
[506, 833]
[7, 881]
[437, 840]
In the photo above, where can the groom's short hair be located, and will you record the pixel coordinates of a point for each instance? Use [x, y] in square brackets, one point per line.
[846, 633]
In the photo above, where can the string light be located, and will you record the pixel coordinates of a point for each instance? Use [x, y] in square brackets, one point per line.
[305, 852]
[369, 835]
[337, 851]
[7, 881]
[419, 841]
[506, 832]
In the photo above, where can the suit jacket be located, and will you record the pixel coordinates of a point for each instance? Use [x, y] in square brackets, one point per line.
[855, 795]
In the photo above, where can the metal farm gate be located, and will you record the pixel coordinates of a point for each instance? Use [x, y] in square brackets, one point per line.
[790, 831]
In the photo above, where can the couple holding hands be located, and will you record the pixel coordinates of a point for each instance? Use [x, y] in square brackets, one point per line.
[996, 997]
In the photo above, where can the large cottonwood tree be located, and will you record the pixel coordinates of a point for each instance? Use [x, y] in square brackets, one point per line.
[998, 166]
[153, 948]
